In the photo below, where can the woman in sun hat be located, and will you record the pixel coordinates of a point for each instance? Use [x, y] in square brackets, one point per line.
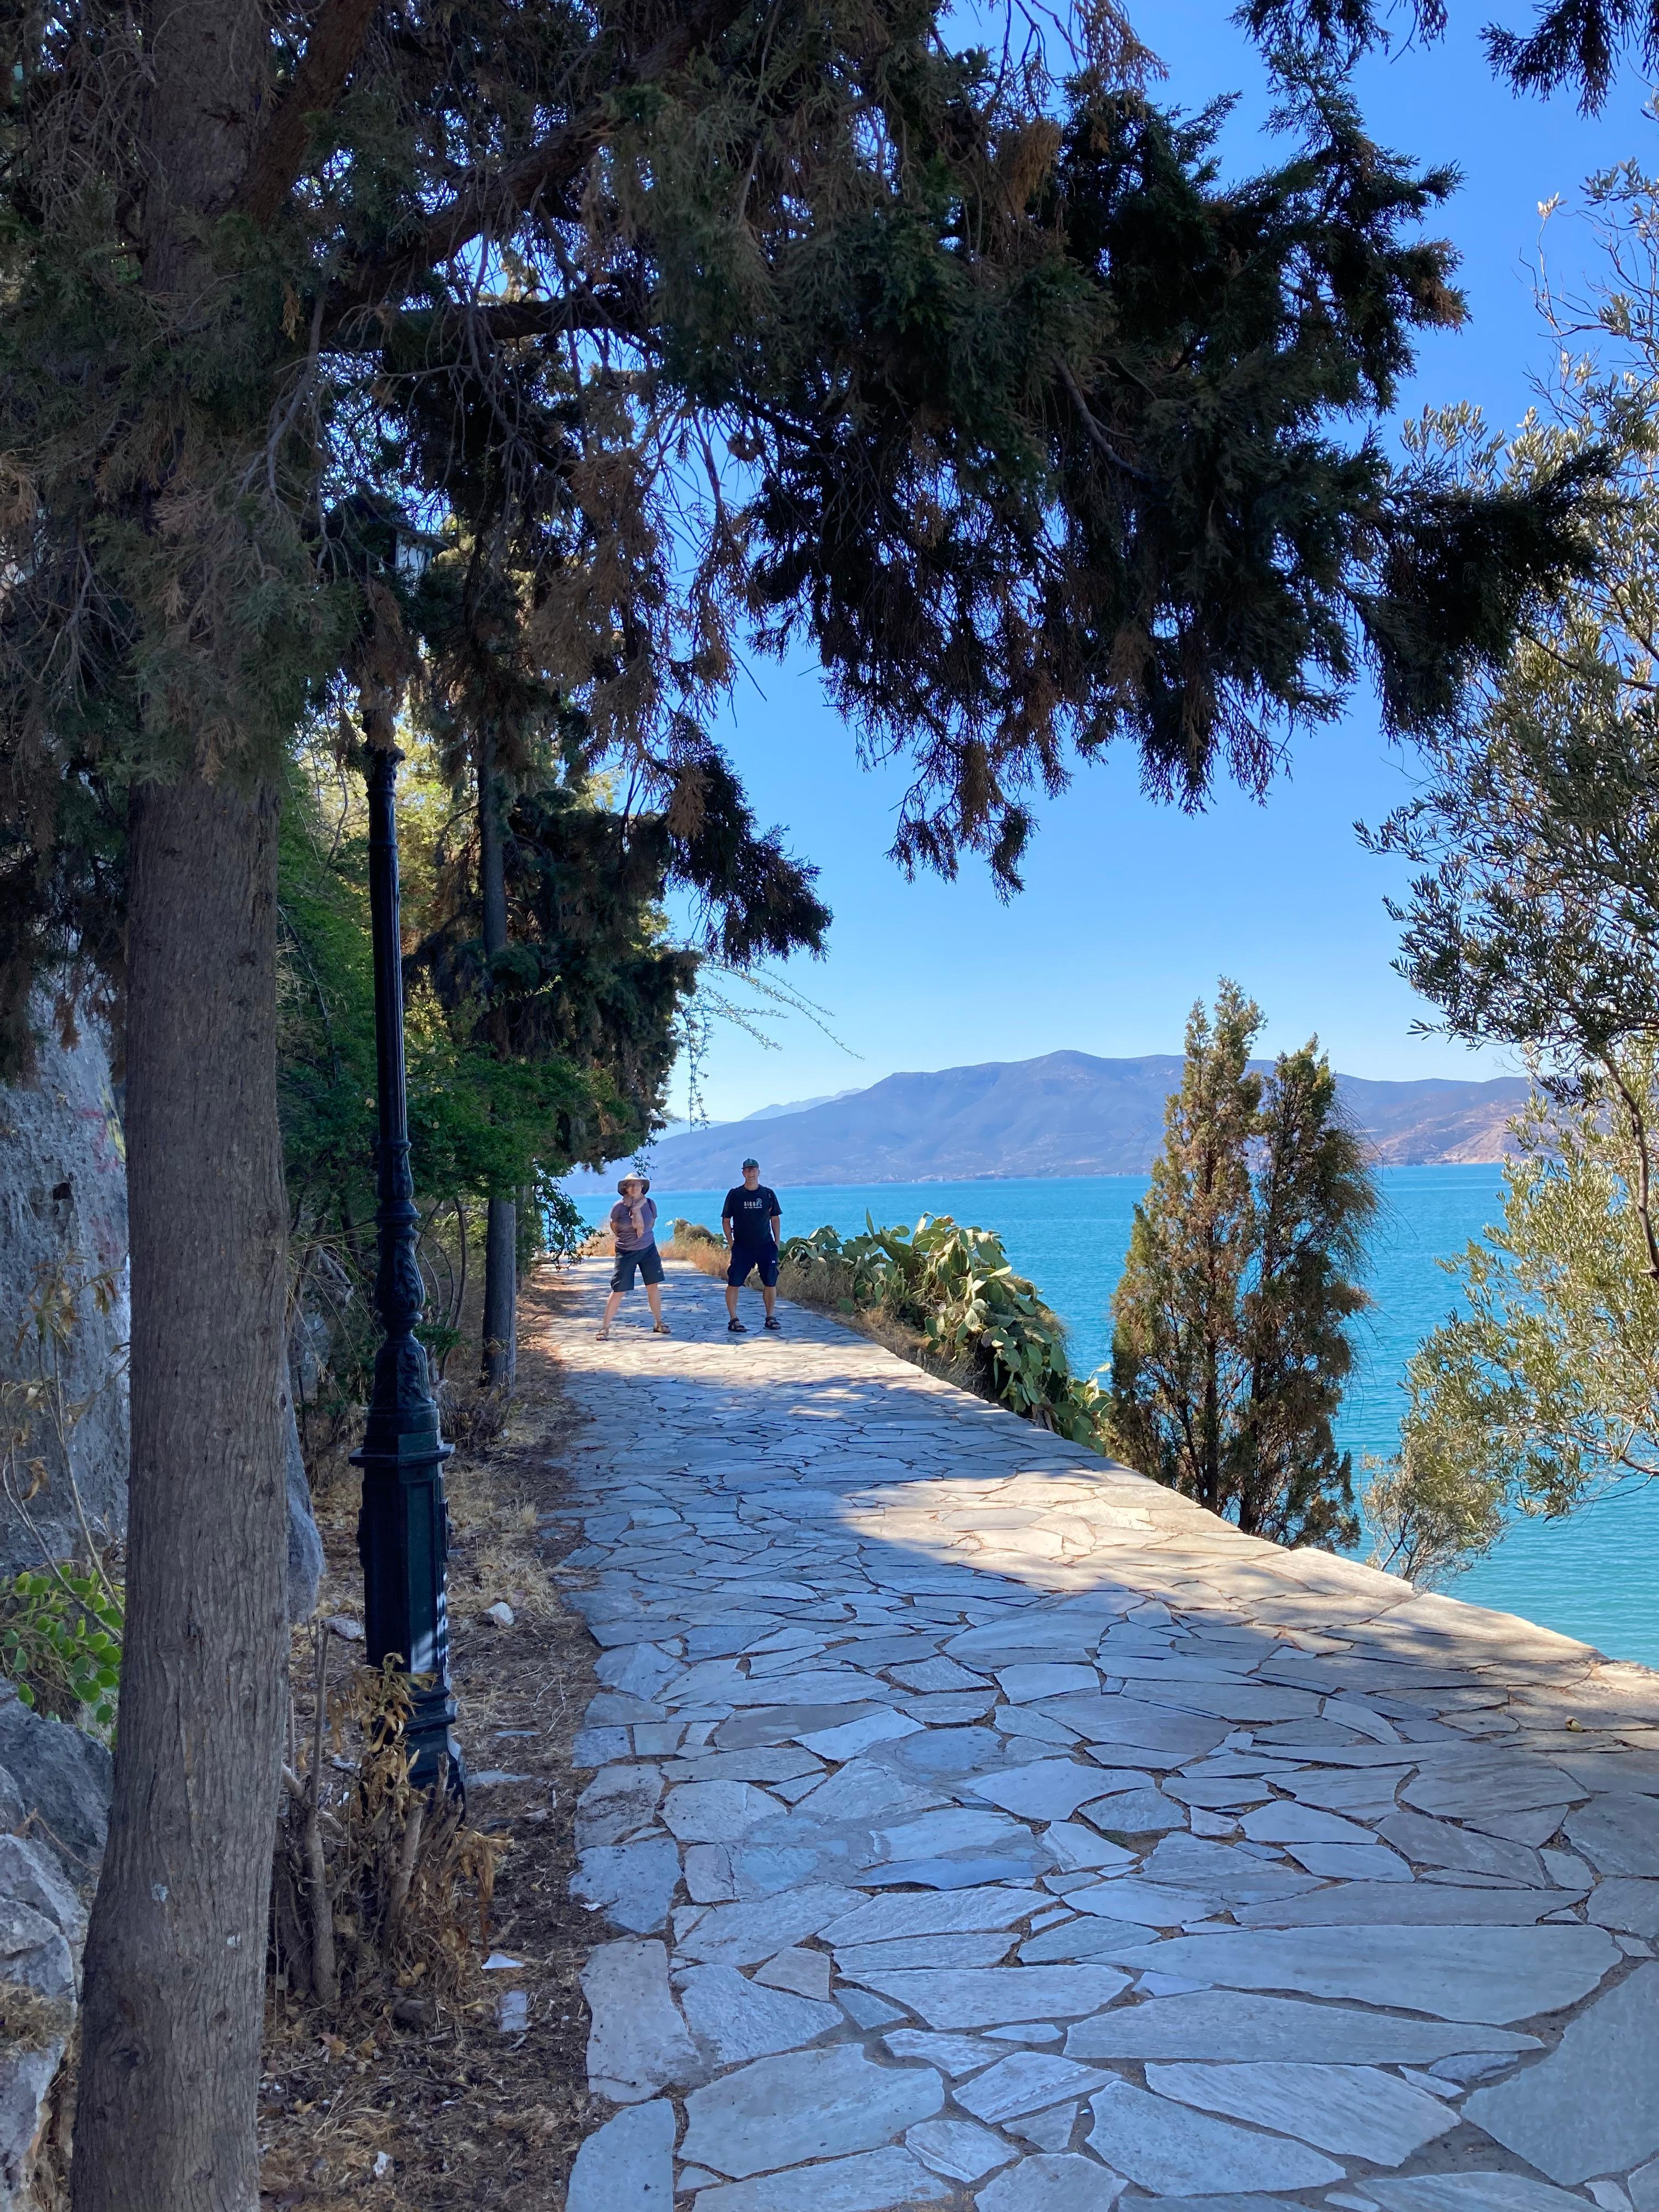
[633, 1227]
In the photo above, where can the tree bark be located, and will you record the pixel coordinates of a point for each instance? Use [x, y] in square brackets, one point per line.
[175, 1956]
[500, 1326]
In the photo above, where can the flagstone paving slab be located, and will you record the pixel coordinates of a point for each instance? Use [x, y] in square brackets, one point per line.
[1618, 1835]
[1485, 2192]
[1421, 1904]
[1053, 2183]
[959, 2149]
[1026, 2083]
[1492, 1974]
[1169, 2147]
[1047, 1789]
[1592, 2107]
[635, 1884]
[990, 1996]
[1633, 1905]
[815, 2103]
[879, 1667]
[875, 2181]
[1350, 2110]
[734, 2018]
[629, 2161]
[637, 2042]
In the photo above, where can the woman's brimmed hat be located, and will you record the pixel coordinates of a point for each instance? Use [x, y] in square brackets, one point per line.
[643, 1181]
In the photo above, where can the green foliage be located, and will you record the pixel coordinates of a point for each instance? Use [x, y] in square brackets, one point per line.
[480, 1122]
[1085, 553]
[1231, 1342]
[1543, 1387]
[955, 1284]
[1431, 1510]
[475, 1123]
[585, 997]
[1535, 924]
[1579, 45]
[748, 322]
[563, 1226]
[60, 1642]
[1535, 921]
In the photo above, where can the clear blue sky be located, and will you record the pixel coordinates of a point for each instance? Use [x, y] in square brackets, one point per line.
[1130, 910]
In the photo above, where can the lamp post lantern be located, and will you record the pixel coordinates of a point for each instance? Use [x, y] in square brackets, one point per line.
[402, 1529]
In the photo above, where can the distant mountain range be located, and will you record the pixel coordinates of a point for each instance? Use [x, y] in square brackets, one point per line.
[1066, 1113]
[760, 1113]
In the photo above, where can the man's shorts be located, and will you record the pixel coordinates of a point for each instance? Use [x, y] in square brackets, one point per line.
[649, 1262]
[764, 1256]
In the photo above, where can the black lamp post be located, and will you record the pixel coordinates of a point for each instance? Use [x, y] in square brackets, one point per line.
[403, 1530]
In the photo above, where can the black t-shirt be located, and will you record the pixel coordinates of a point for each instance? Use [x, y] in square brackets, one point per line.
[749, 1212]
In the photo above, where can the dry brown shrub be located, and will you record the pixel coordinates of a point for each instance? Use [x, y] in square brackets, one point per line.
[381, 1892]
[29, 2021]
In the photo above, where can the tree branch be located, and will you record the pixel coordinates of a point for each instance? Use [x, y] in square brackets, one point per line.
[429, 340]
[337, 33]
[1095, 432]
[490, 200]
[1639, 1129]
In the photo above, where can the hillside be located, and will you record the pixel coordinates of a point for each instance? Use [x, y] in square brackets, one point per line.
[1066, 1113]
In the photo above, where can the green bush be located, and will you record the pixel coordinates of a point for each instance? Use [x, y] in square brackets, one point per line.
[60, 1642]
[563, 1226]
[955, 1284]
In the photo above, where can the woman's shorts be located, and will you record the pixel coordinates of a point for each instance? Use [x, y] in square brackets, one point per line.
[764, 1258]
[649, 1262]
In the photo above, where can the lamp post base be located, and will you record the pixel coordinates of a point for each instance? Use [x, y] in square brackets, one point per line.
[403, 1541]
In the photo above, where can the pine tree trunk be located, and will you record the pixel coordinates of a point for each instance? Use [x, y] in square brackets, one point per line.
[501, 1293]
[501, 1233]
[175, 1957]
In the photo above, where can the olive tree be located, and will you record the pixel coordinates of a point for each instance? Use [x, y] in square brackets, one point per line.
[1535, 924]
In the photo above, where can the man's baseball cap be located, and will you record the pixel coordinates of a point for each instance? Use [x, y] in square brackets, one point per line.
[751, 1163]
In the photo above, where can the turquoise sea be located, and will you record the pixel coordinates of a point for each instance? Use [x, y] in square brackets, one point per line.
[1594, 1576]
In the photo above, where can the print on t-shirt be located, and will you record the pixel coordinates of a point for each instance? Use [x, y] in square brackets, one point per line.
[749, 1212]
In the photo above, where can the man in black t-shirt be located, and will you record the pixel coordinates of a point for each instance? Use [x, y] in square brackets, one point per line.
[750, 1219]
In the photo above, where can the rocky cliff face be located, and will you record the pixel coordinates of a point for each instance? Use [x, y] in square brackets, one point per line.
[64, 1427]
[54, 1807]
[65, 1316]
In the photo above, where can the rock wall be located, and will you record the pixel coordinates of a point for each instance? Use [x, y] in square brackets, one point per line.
[54, 1803]
[64, 1221]
[63, 1236]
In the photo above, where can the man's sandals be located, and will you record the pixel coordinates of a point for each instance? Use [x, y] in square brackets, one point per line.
[735, 1328]
[772, 1322]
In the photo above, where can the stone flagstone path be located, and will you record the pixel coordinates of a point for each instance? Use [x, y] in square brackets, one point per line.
[972, 1823]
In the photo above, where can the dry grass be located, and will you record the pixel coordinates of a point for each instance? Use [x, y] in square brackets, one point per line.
[29, 2021]
[453, 2113]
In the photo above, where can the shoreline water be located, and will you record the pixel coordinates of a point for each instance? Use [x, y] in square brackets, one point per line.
[1594, 1576]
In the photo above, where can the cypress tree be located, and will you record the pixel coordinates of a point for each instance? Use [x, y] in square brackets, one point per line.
[1315, 1197]
[1231, 1337]
[1179, 1379]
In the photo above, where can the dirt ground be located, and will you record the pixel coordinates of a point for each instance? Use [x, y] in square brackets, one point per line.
[458, 2112]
